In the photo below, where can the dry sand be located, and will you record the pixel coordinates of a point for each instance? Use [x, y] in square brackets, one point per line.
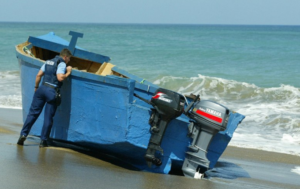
[56, 167]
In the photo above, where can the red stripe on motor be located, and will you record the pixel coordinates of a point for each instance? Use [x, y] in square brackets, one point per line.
[157, 95]
[212, 117]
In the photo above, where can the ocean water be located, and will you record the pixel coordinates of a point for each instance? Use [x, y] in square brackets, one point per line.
[253, 70]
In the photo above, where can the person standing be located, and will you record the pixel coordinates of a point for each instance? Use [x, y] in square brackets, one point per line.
[54, 72]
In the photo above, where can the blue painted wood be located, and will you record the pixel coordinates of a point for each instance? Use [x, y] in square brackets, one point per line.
[102, 113]
[75, 36]
[134, 77]
[54, 43]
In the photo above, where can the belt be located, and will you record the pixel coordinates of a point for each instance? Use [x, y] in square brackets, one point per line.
[48, 85]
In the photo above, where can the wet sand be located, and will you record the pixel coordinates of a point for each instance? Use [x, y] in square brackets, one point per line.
[29, 166]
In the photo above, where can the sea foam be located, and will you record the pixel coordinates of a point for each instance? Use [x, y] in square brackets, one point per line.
[10, 90]
[296, 170]
[272, 120]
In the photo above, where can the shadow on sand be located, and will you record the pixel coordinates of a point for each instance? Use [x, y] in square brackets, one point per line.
[222, 169]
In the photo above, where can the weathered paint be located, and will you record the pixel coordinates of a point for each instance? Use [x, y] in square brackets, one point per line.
[101, 112]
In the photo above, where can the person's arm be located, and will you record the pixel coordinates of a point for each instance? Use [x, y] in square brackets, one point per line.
[61, 77]
[38, 79]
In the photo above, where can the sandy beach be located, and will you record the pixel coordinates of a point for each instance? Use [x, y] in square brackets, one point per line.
[29, 166]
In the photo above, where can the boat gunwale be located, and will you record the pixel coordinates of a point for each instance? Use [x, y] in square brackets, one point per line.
[82, 74]
[57, 47]
[110, 79]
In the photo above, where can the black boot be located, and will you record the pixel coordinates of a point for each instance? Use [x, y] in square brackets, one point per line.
[43, 144]
[21, 140]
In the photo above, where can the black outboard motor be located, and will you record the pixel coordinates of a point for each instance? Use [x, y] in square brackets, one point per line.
[167, 105]
[207, 119]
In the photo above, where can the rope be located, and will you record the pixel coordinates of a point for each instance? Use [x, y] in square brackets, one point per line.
[25, 49]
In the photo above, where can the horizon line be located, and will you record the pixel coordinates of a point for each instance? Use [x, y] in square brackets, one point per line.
[115, 23]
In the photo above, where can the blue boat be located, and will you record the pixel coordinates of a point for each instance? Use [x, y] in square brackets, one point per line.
[108, 109]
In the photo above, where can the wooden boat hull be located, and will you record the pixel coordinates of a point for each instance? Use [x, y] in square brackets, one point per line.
[101, 112]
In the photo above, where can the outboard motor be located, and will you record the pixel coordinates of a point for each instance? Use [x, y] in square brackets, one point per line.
[207, 119]
[167, 105]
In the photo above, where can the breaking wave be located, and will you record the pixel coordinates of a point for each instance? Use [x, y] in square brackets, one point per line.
[10, 90]
[272, 114]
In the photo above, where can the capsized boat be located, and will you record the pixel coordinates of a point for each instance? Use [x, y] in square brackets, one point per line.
[108, 109]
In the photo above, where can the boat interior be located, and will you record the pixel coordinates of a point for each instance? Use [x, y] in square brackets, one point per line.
[83, 65]
[80, 64]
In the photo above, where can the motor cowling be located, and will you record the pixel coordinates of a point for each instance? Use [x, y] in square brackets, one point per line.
[210, 114]
[168, 104]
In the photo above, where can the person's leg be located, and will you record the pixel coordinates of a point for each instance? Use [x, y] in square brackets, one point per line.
[36, 108]
[50, 110]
